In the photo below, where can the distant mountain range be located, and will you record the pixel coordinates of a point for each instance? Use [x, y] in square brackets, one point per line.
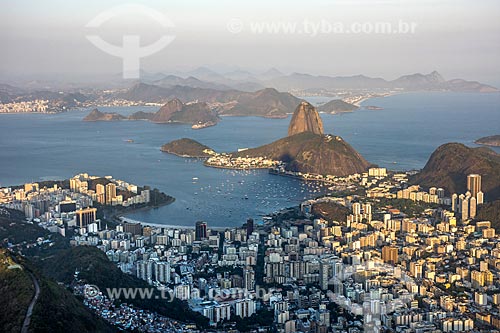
[266, 102]
[239, 92]
[241, 80]
[11, 94]
[413, 82]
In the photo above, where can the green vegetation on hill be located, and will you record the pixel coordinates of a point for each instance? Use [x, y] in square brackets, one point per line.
[186, 148]
[14, 230]
[262, 318]
[16, 292]
[96, 269]
[490, 211]
[450, 164]
[409, 207]
[58, 310]
[48, 184]
[330, 211]
[55, 310]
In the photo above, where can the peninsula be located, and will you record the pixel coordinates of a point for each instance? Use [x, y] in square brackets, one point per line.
[492, 140]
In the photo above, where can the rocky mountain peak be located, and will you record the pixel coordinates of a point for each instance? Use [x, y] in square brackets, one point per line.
[167, 110]
[305, 119]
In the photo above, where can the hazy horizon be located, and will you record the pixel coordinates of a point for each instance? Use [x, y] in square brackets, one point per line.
[459, 39]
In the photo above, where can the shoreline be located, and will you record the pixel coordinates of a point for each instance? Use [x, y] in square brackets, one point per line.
[119, 215]
[364, 99]
[169, 226]
[185, 156]
[487, 144]
[233, 168]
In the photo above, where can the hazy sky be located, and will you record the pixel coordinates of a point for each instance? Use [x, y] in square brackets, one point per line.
[458, 38]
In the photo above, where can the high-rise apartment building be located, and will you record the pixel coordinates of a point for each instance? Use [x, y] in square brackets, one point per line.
[465, 208]
[480, 198]
[474, 184]
[110, 193]
[249, 227]
[85, 216]
[200, 230]
[100, 193]
[390, 254]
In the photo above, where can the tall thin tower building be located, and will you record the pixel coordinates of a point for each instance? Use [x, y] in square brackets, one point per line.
[110, 193]
[200, 230]
[454, 202]
[472, 208]
[101, 193]
[465, 209]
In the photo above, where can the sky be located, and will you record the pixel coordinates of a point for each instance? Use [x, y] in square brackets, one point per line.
[458, 38]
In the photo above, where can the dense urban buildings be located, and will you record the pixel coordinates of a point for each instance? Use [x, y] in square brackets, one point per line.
[387, 268]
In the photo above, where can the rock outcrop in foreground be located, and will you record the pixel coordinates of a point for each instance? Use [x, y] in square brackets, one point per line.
[305, 119]
[450, 164]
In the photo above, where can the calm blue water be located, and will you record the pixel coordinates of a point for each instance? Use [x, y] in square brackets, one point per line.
[36, 147]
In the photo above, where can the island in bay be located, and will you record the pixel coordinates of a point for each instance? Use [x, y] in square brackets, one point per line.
[186, 147]
[306, 150]
[492, 140]
[198, 114]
